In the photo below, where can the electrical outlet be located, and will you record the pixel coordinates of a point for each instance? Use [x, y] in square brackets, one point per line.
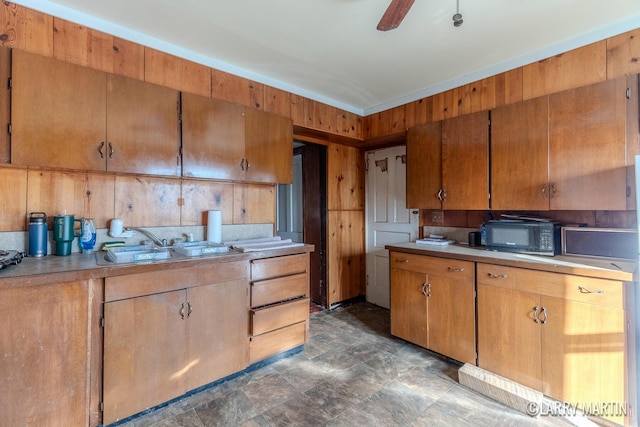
[437, 216]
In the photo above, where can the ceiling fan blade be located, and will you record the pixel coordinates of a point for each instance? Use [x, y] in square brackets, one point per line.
[394, 14]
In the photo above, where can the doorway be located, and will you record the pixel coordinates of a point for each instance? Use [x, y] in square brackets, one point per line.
[302, 212]
[388, 219]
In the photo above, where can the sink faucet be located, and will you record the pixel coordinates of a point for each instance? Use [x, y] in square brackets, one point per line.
[152, 236]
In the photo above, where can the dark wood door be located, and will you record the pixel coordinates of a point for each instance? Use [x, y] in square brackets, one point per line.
[314, 192]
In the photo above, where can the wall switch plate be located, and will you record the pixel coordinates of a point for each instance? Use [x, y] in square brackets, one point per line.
[437, 216]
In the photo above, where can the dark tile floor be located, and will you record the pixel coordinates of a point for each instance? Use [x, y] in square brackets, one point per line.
[351, 373]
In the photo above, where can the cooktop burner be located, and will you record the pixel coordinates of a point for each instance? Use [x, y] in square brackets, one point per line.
[10, 257]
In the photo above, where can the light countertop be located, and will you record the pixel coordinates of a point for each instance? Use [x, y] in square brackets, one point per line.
[583, 266]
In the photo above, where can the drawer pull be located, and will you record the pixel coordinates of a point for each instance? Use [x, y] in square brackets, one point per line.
[584, 290]
[497, 276]
[402, 260]
[456, 269]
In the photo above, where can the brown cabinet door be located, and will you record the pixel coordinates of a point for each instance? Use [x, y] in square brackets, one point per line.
[520, 156]
[45, 343]
[213, 138]
[268, 147]
[452, 315]
[217, 326]
[409, 306]
[345, 178]
[424, 166]
[509, 341]
[345, 255]
[144, 348]
[143, 133]
[588, 147]
[465, 162]
[58, 114]
[583, 357]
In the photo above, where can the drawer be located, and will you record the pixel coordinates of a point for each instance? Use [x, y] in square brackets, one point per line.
[590, 290]
[275, 290]
[166, 280]
[278, 316]
[431, 265]
[275, 342]
[268, 268]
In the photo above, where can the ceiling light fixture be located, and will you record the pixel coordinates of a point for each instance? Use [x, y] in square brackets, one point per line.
[457, 18]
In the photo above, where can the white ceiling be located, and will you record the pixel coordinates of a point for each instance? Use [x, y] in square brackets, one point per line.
[330, 50]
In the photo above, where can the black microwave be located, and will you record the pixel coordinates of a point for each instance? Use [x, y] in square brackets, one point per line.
[526, 237]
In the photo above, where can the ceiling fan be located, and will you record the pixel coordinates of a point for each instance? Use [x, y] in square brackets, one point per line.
[394, 14]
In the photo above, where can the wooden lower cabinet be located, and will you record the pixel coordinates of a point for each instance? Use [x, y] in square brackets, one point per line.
[171, 332]
[45, 343]
[560, 334]
[433, 304]
[279, 305]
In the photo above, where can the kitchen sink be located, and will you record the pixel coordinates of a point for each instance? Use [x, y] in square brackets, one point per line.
[192, 249]
[132, 254]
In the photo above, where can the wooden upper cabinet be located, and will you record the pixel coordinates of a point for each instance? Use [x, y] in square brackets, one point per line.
[588, 147]
[143, 132]
[519, 156]
[222, 140]
[268, 147]
[213, 138]
[58, 114]
[424, 166]
[73, 117]
[465, 162]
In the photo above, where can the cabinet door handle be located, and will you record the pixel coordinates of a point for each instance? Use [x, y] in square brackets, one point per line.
[189, 309]
[584, 290]
[182, 311]
[242, 164]
[440, 194]
[402, 260]
[100, 150]
[535, 314]
[497, 276]
[552, 191]
[544, 192]
[426, 289]
[111, 151]
[456, 269]
[544, 312]
[248, 164]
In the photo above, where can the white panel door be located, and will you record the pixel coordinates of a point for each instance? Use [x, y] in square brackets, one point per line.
[388, 219]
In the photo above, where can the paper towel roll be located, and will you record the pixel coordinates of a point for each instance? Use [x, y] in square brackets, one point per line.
[214, 226]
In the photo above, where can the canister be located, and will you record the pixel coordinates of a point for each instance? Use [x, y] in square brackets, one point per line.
[37, 234]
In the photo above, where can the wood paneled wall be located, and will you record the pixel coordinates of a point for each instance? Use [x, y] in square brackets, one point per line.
[604, 60]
